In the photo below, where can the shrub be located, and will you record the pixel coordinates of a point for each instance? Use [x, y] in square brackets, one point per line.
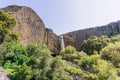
[70, 54]
[95, 44]
[112, 53]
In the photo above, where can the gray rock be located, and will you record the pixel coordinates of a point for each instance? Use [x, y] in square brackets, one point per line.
[3, 75]
[76, 38]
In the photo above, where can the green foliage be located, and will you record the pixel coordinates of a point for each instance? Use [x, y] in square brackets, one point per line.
[70, 54]
[89, 62]
[57, 71]
[34, 61]
[106, 71]
[6, 25]
[73, 70]
[14, 58]
[22, 72]
[91, 77]
[40, 57]
[112, 53]
[95, 44]
[115, 38]
[97, 69]
[14, 53]
[38, 49]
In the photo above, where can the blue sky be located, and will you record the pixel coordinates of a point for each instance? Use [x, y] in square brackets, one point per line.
[68, 15]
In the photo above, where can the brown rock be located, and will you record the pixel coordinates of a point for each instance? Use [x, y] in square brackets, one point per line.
[31, 28]
[52, 40]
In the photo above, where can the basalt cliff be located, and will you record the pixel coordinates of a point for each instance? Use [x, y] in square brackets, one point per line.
[31, 28]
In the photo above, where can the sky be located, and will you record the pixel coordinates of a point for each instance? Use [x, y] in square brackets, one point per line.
[68, 15]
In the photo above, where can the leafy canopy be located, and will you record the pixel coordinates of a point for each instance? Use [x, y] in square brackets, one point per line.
[95, 44]
[6, 25]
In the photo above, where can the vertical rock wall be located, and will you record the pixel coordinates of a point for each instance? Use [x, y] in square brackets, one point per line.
[31, 27]
[76, 38]
[52, 40]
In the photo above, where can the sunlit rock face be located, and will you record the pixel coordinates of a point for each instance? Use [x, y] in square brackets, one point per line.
[76, 38]
[31, 27]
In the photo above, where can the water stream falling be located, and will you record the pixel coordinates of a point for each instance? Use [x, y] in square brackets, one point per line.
[62, 42]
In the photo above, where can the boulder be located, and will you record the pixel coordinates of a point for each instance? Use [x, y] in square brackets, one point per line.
[31, 28]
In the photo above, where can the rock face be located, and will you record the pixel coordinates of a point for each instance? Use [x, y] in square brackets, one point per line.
[52, 40]
[31, 27]
[76, 38]
[3, 75]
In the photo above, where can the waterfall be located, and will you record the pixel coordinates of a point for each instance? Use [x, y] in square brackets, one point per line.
[62, 42]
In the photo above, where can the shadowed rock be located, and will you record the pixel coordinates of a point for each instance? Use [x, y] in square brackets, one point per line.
[76, 38]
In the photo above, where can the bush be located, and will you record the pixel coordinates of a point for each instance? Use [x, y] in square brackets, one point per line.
[14, 53]
[40, 58]
[70, 54]
[95, 44]
[57, 71]
[96, 69]
[22, 72]
[112, 53]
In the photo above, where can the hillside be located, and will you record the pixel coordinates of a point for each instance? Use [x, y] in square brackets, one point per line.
[30, 51]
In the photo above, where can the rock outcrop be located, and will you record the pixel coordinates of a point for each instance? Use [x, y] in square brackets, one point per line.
[52, 40]
[31, 27]
[76, 38]
[3, 75]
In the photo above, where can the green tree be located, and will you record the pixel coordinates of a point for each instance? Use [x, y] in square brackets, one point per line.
[96, 69]
[22, 72]
[14, 59]
[6, 25]
[70, 54]
[112, 53]
[57, 71]
[13, 52]
[95, 44]
[40, 57]
[115, 38]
